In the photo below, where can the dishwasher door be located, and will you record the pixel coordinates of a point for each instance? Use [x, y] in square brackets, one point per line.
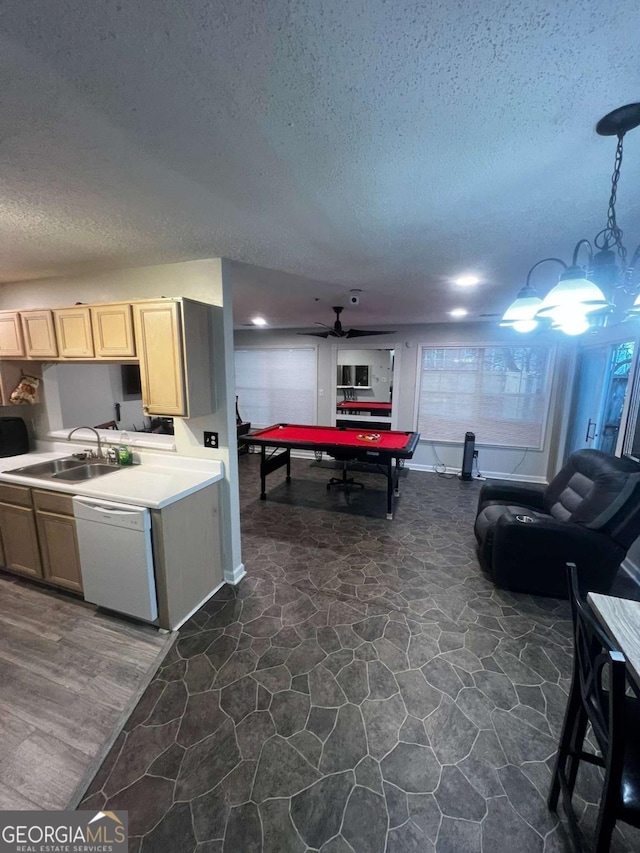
[116, 560]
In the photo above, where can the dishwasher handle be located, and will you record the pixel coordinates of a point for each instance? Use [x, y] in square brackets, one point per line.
[110, 510]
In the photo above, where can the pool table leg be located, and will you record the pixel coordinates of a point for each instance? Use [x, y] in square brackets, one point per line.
[397, 479]
[271, 463]
[390, 490]
[263, 474]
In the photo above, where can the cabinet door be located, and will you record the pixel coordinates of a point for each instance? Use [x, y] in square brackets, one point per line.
[39, 334]
[20, 539]
[59, 548]
[159, 347]
[113, 331]
[11, 342]
[73, 329]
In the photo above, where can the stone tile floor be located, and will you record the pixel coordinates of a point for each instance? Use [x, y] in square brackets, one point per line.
[364, 690]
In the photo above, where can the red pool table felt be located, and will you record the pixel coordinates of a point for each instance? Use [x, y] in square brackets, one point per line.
[300, 434]
[354, 405]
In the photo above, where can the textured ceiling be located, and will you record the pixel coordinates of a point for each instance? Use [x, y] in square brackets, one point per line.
[386, 146]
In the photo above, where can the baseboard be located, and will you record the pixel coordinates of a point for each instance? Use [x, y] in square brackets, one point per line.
[486, 475]
[417, 466]
[236, 575]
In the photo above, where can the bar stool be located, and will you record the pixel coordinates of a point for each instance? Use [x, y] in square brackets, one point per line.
[603, 695]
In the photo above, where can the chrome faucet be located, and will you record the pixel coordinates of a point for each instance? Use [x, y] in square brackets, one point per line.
[93, 429]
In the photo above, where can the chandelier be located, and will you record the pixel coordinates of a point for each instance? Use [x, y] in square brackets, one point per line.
[585, 294]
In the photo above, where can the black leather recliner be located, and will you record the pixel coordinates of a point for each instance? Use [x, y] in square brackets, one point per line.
[589, 514]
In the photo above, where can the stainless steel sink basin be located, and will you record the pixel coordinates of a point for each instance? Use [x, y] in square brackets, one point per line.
[85, 471]
[69, 468]
[48, 469]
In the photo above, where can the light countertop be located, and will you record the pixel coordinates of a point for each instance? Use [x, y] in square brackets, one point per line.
[157, 482]
[620, 618]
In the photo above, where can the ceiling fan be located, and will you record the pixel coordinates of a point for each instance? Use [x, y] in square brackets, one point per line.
[336, 331]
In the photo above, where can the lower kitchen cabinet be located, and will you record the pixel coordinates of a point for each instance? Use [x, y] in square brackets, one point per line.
[20, 539]
[57, 536]
[38, 534]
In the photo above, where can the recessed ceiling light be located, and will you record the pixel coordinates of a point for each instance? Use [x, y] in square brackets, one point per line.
[459, 312]
[259, 321]
[467, 280]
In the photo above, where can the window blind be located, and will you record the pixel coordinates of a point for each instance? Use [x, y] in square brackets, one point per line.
[277, 385]
[499, 393]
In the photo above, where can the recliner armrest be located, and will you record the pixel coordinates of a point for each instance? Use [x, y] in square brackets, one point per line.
[538, 551]
[512, 493]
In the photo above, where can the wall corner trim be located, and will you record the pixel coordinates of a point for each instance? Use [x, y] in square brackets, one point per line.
[235, 576]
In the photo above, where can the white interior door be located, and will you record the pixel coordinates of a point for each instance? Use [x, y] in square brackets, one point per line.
[603, 375]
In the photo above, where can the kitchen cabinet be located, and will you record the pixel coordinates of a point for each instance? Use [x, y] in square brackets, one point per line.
[173, 341]
[113, 331]
[73, 332]
[39, 334]
[18, 531]
[170, 338]
[11, 340]
[56, 528]
[187, 555]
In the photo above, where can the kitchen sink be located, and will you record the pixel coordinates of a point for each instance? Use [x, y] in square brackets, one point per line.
[85, 472]
[68, 468]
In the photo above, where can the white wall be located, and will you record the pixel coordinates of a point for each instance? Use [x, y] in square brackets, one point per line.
[88, 394]
[202, 280]
[497, 462]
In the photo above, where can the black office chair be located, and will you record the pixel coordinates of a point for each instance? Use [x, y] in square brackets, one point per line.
[603, 695]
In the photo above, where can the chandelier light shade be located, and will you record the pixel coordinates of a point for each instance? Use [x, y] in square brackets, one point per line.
[584, 295]
[634, 311]
[521, 314]
[573, 292]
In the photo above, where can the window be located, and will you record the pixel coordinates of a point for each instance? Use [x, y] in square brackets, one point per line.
[277, 385]
[499, 393]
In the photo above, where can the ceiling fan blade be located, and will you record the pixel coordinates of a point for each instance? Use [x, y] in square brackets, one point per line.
[316, 334]
[360, 333]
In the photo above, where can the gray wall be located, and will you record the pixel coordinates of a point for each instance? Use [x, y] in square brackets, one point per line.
[534, 465]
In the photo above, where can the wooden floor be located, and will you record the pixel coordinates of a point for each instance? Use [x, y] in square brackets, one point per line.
[69, 677]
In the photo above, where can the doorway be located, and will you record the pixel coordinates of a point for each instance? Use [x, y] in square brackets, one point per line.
[603, 377]
[364, 387]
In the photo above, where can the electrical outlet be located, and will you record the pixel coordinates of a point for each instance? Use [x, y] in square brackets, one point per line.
[211, 440]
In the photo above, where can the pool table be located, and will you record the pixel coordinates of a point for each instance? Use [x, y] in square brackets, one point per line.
[359, 407]
[382, 449]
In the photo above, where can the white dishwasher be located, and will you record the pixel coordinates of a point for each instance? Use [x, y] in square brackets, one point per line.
[116, 559]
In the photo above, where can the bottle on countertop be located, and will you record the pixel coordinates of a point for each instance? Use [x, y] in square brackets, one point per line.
[125, 456]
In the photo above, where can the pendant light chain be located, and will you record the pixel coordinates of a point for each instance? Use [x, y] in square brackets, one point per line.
[585, 295]
[613, 232]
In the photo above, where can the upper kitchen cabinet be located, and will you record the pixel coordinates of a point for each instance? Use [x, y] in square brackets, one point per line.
[113, 331]
[11, 341]
[39, 334]
[73, 330]
[173, 340]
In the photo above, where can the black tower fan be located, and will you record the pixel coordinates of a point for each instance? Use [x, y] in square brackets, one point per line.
[467, 455]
